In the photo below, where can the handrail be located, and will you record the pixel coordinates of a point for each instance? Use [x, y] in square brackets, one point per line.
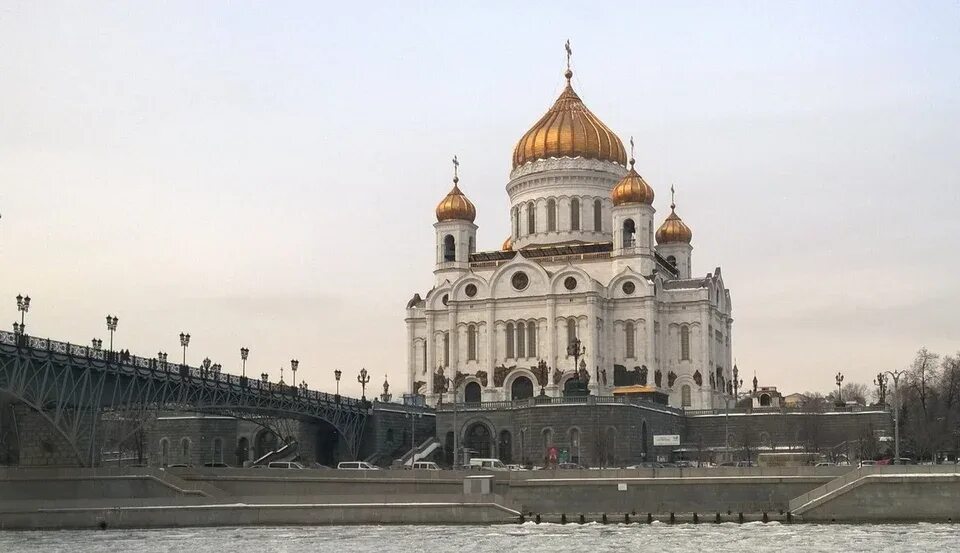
[537, 401]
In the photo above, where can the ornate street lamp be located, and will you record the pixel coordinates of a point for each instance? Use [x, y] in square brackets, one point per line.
[184, 341]
[839, 389]
[294, 363]
[23, 305]
[112, 327]
[737, 384]
[576, 350]
[97, 344]
[363, 378]
[205, 367]
[19, 328]
[264, 377]
[244, 352]
[336, 375]
[162, 358]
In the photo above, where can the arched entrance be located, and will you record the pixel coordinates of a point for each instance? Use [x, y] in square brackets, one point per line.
[329, 449]
[522, 388]
[505, 447]
[264, 442]
[571, 388]
[478, 440]
[471, 393]
[243, 451]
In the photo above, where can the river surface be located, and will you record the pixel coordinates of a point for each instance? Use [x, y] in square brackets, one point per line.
[528, 538]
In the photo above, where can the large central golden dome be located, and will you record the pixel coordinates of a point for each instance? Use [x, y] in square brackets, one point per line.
[569, 129]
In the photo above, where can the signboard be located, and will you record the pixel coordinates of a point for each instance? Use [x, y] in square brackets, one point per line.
[666, 439]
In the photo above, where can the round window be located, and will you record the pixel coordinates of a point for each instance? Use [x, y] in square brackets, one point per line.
[629, 287]
[470, 290]
[445, 299]
[520, 280]
[570, 283]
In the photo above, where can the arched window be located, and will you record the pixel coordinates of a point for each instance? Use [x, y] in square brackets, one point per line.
[449, 248]
[218, 450]
[575, 214]
[629, 339]
[473, 245]
[685, 395]
[185, 449]
[684, 343]
[629, 234]
[551, 214]
[446, 349]
[516, 222]
[531, 218]
[471, 392]
[764, 400]
[472, 343]
[164, 452]
[521, 340]
[510, 337]
[597, 216]
[522, 388]
[571, 330]
[531, 339]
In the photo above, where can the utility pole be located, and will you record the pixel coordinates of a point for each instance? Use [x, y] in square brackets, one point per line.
[896, 414]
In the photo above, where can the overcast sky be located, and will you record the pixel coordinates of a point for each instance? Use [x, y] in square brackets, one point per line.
[265, 174]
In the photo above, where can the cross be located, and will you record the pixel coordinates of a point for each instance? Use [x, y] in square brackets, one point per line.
[631, 151]
[456, 167]
[569, 53]
[673, 202]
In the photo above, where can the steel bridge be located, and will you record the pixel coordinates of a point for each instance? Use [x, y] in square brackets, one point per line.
[71, 386]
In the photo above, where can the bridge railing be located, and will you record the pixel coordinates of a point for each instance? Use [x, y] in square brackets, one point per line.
[549, 400]
[127, 363]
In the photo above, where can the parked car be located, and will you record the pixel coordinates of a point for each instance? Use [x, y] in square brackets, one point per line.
[487, 464]
[569, 466]
[217, 465]
[425, 465]
[356, 465]
[285, 465]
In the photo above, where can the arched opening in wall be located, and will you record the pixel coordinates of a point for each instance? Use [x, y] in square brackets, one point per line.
[630, 340]
[243, 451]
[531, 339]
[330, 448]
[185, 450]
[629, 233]
[764, 400]
[472, 343]
[478, 440]
[264, 442]
[164, 452]
[511, 351]
[672, 260]
[217, 450]
[449, 248]
[448, 449]
[472, 392]
[571, 331]
[472, 245]
[516, 222]
[597, 216]
[505, 447]
[522, 388]
[551, 215]
[521, 340]
[531, 218]
[684, 343]
[574, 214]
[685, 395]
[575, 450]
[643, 440]
[446, 349]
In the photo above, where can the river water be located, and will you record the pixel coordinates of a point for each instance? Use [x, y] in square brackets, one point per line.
[528, 538]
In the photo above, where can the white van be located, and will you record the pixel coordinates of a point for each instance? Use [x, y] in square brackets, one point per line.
[285, 465]
[487, 464]
[356, 465]
[425, 465]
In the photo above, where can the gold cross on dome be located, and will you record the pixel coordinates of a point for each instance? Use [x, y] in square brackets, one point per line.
[673, 201]
[456, 167]
[569, 52]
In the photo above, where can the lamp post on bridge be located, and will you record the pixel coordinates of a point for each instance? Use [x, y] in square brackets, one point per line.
[23, 305]
[205, 367]
[97, 344]
[112, 327]
[363, 378]
[162, 358]
[896, 413]
[337, 373]
[184, 342]
[294, 363]
[244, 353]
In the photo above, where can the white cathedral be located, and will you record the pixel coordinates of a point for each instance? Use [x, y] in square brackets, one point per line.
[581, 265]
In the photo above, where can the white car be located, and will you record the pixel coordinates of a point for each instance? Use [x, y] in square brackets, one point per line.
[356, 465]
[284, 465]
[487, 464]
[425, 465]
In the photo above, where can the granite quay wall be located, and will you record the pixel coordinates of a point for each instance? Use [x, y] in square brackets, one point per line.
[591, 434]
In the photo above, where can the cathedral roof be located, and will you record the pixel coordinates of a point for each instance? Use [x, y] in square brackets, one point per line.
[632, 189]
[569, 129]
[673, 229]
[455, 206]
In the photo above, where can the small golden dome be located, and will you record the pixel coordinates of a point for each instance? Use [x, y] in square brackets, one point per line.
[455, 206]
[507, 245]
[632, 189]
[673, 229]
[569, 129]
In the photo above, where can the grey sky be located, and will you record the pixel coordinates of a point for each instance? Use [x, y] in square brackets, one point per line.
[265, 175]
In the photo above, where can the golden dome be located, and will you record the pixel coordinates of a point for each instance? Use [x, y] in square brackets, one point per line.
[632, 189]
[569, 129]
[673, 229]
[507, 245]
[455, 206]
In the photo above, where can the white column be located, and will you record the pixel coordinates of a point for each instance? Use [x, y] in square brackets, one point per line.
[550, 353]
[454, 341]
[411, 358]
[429, 349]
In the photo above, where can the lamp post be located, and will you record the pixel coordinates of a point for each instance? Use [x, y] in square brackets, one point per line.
[363, 378]
[337, 373]
[294, 363]
[23, 305]
[244, 353]
[896, 413]
[576, 350]
[205, 367]
[18, 328]
[184, 342]
[112, 327]
[162, 358]
[96, 343]
[413, 436]
[839, 379]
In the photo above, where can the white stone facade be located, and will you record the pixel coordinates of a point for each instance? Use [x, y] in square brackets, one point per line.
[583, 273]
